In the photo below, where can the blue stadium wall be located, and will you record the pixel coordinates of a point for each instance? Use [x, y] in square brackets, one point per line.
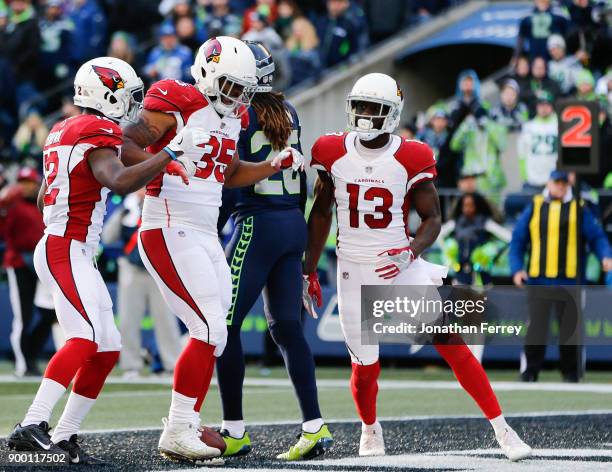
[325, 338]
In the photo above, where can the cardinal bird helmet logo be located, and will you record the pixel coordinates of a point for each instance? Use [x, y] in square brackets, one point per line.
[213, 51]
[109, 77]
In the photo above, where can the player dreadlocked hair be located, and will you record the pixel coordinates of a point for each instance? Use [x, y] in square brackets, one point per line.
[273, 117]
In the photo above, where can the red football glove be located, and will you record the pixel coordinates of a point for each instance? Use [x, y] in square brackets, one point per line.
[176, 168]
[9, 195]
[311, 293]
[396, 261]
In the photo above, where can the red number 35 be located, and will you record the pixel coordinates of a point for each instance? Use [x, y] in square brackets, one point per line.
[216, 159]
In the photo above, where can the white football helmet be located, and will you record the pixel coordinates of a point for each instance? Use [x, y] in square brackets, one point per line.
[221, 64]
[382, 90]
[110, 86]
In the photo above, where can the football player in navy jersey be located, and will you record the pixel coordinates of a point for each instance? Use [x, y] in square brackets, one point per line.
[265, 253]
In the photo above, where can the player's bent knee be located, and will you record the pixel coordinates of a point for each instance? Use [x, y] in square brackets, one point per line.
[286, 332]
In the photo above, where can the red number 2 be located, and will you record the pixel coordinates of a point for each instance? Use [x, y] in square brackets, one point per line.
[372, 193]
[217, 158]
[578, 135]
[51, 162]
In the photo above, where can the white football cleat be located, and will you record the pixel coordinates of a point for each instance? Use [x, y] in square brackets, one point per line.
[182, 441]
[513, 447]
[371, 442]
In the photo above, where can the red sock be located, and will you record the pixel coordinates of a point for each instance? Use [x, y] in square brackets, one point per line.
[364, 387]
[207, 379]
[192, 367]
[65, 363]
[470, 375]
[91, 376]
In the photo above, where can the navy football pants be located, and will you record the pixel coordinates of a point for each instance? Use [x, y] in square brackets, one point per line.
[265, 253]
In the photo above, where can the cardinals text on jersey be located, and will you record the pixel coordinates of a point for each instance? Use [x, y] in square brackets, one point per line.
[169, 202]
[372, 195]
[75, 202]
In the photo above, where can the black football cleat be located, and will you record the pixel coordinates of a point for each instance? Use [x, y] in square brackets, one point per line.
[34, 437]
[76, 454]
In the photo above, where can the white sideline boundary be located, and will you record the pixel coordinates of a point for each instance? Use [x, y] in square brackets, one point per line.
[500, 386]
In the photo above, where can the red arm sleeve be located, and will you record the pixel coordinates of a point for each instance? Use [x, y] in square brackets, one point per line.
[327, 150]
[418, 160]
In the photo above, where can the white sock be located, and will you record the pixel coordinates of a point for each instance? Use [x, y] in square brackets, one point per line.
[45, 400]
[76, 409]
[499, 425]
[368, 427]
[181, 408]
[312, 426]
[196, 418]
[236, 429]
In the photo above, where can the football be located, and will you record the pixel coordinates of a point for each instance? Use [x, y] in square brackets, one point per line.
[212, 438]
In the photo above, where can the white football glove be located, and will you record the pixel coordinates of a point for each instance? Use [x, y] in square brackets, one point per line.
[395, 261]
[189, 140]
[288, 158]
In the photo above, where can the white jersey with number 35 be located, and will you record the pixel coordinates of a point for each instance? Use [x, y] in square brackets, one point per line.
[75, 202]
[170, 203]
[372, 195]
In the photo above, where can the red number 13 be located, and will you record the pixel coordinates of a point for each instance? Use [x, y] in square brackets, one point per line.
[370, 220]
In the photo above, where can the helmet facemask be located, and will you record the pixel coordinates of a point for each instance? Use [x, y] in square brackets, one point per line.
[364, 124]
[135, 103]
[231, 96]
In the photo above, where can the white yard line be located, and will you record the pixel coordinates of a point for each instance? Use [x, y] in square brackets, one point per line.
[501, 386]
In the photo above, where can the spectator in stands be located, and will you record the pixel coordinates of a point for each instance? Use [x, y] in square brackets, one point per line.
[288, 11]
[538, 145]
[55, 32]
[582, 28]
[601, 54]
[122, 47]
[342, 32]
[134, 16]
[386, 17]
[8, 123]
[302, 48]
[69, 109]
[585, 86]
[263, 33]
[472, 240]
[481, 140]
[561, 68]
[267, 8]
[169, 60]
[604, 89]
[188, 34]
[540, 81]
[137, 293]
[20, 45]
[260, 31]
[547, 233]
[509, 112]
[408, 130]
[30, 137]
[535, 29]
[89, 34]
[467, 97]
[221, 21]
[521, 75]
[23, 228]
[437, 135]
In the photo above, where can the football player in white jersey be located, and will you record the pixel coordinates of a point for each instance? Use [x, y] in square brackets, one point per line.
[82, 163]
[178, 239]
[374, 177]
